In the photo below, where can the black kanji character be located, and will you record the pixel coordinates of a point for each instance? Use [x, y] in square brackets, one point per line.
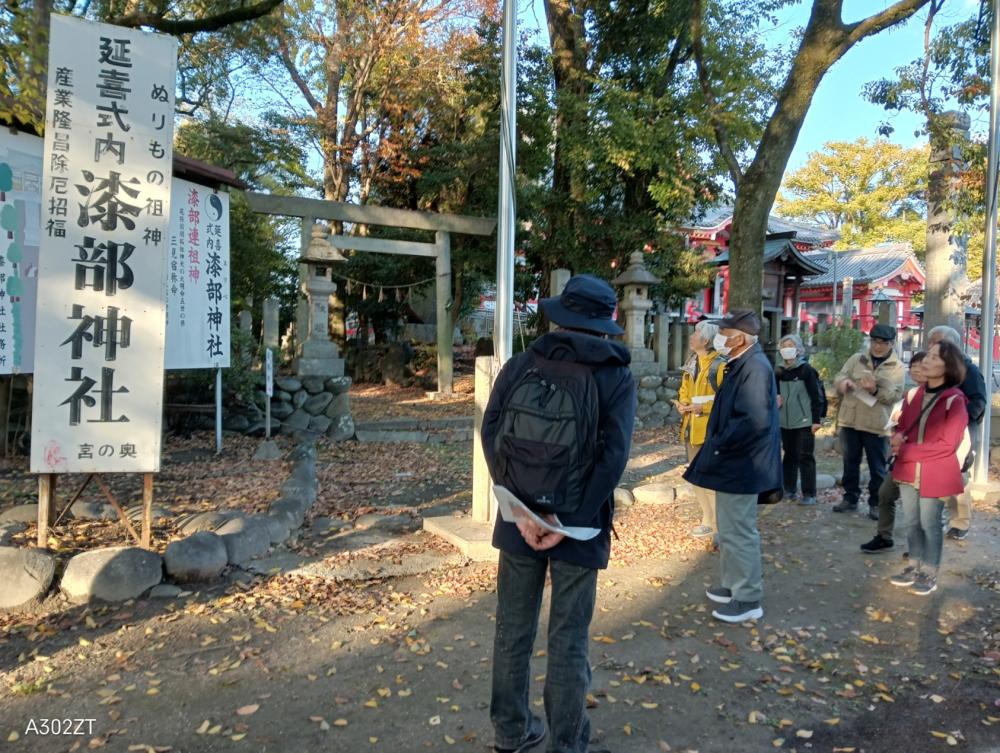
[105, 263]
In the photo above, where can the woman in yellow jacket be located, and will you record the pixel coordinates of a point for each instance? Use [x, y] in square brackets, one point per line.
[700, 380]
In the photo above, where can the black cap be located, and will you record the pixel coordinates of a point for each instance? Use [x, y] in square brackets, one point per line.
[883, 332]
[587, 303]
[742, 319]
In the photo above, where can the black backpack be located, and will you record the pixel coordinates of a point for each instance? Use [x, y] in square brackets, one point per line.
[547, 442]
[822, 397]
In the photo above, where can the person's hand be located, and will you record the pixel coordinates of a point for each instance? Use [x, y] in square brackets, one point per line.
[780, 401]
[846, 386]
[547, 541]
[869, 384]
[530, 532]
[537, 537]
[896, 442]
[815, 428]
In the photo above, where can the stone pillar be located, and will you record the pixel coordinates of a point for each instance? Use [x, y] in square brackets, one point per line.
[847, 302]
[946, 259]
[661, 340]
[245, 319]
[482, 499]
[557, 282]
[443, 302]
[272, 331]
[677, 344]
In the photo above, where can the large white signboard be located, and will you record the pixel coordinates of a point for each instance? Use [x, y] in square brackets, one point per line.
[20, 223]
[98, 391]
[198, 278]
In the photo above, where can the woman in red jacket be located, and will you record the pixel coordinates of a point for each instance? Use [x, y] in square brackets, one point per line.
[927, 467]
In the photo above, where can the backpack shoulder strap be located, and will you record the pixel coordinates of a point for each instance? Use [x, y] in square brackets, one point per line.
[714, 371]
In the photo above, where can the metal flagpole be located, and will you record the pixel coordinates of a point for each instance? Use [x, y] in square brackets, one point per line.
[989, 297]
[503, 317]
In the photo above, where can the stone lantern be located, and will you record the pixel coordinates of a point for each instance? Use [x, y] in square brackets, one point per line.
[635, 304]
[320, 356]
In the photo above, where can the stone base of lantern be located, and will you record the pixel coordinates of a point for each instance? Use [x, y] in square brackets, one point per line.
[324, 367]
[319, 358]
[643, 362]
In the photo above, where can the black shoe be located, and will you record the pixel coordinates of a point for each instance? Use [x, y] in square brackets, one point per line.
[738, 611]
[846, 506]
[957, 533]
[719, 595]
[879, 544]
[536, 734]
[873, 512]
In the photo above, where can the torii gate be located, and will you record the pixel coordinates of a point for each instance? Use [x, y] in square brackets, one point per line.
[311, 210]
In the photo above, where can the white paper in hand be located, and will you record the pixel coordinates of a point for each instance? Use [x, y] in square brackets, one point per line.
[865, 397]
[513, 510]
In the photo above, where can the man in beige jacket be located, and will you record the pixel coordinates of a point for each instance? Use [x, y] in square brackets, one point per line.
[870, 383]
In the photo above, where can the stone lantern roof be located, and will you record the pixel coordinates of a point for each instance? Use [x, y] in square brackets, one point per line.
[320, 250]
[636, 273]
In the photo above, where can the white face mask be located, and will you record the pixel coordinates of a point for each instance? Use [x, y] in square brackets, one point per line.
[788, 353]
[719, 343]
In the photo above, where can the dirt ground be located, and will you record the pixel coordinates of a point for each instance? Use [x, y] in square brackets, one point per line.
[841, 662]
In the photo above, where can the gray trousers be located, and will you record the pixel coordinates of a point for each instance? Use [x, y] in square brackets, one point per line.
[739, 545]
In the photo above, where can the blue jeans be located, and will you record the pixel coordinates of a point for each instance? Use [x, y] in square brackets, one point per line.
[520, 581]
[876, 448]
[922, 521]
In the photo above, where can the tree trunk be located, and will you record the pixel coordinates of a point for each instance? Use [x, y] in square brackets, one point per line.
[824, 42]
[946, 258]
[569, 68]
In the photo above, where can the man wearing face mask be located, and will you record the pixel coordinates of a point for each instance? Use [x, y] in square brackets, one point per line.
[870, 383]
[741, 458]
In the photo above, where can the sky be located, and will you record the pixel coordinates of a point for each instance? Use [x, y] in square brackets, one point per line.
[838, 111]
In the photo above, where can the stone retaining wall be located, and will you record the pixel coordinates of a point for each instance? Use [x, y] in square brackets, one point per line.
[301, 404]
[654, 409]
[213, 541]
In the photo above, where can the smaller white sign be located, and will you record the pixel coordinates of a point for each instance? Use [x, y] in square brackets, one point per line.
[269, 372]
[197, 277]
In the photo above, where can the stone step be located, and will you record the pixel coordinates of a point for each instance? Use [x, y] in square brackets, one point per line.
[416, 424]
[419, 437]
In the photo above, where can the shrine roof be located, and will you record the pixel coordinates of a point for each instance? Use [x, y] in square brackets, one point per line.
[719, 218]
[782, 248]
[865, 265]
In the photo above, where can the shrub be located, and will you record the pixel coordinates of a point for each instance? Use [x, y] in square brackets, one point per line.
[834, 347]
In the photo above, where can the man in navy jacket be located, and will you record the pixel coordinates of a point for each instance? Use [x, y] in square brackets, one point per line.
[584, 312]
[741, 458]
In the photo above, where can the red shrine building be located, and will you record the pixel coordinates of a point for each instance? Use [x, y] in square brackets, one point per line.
[802, 272]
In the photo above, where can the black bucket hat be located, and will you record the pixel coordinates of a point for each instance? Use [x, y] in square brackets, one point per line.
[587, 302]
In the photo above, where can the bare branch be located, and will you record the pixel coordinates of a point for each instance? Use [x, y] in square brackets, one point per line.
[296, 76]
[195, 25]
[875, 23]
[721, 132]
